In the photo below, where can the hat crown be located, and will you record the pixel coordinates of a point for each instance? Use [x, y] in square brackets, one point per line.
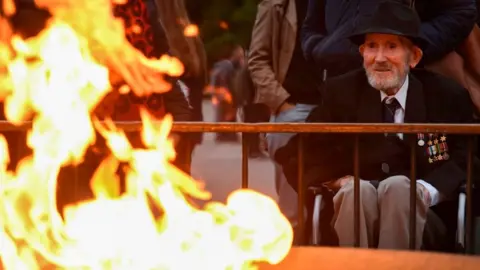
[396, 17]
[391, 18]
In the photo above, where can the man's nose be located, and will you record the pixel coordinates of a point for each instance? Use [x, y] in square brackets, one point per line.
[380, 56]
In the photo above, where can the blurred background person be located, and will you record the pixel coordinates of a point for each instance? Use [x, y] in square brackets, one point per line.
[73, 181]
[152, 40]
[221, 88]
[249, 111]
[189, 49]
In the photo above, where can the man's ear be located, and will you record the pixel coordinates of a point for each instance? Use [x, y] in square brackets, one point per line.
[361, 49]
[415, 57]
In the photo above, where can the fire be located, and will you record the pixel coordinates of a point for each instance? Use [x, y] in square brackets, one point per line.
[191, 30]
[56, 80]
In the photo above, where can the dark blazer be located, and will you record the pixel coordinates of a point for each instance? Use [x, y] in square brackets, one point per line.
[350, 99]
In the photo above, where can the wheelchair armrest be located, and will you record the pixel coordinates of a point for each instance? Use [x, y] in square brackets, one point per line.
[463, 188]
[316, 190]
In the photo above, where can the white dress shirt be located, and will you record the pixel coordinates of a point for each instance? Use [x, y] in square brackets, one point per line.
[401, 97]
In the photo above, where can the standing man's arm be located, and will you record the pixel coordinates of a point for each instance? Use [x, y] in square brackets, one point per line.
[328, 49]
[313, 28]
[270, 90]
[449, 27]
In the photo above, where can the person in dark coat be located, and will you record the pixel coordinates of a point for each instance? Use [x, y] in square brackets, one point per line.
[386, 91]
[189, 49]
[445, 25]
[153, 42]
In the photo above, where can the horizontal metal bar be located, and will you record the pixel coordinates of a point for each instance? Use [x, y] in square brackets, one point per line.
[294, 127]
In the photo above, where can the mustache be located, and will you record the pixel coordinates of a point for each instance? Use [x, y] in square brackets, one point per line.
[381, 67]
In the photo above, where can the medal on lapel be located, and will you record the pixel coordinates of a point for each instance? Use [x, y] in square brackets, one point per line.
[437, 148]
[444, 147]
[430, 136]
[421, 139]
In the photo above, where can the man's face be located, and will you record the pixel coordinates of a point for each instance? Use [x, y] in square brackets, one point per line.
[387, 59]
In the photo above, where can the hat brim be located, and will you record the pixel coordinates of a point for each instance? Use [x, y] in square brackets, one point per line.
[359, 37]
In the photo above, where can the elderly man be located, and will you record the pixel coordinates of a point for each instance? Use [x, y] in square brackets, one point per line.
[328, 23]
[386, 90]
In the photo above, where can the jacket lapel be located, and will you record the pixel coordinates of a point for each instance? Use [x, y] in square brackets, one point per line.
[415, 109]
[370, 104]
[369, 110]
[369, 107]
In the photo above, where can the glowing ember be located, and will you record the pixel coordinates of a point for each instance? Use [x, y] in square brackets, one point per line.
[223, 25]
[56, 80]
[190, 30]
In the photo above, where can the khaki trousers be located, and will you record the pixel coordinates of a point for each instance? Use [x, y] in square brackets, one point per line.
[384, 214]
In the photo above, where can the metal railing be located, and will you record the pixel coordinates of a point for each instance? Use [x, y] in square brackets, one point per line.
[352, 129]
[357, 129]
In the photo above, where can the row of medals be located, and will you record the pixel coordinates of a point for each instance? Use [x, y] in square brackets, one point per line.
[436, 149]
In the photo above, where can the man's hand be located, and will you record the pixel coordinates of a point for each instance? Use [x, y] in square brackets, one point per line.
[336, 185]
[285, 107]
[425, 194]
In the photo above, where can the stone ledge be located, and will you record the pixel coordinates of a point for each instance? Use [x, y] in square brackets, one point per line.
[310, 258]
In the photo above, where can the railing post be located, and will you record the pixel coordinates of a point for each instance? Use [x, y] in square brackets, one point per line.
[244, 161]
[413, 196]
[469, 245]
[356, 192]
[188, 152]
[301, 190]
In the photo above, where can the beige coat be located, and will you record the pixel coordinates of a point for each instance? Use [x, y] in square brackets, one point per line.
[271, 49]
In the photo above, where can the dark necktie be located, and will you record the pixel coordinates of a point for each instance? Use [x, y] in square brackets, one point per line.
[390, 106]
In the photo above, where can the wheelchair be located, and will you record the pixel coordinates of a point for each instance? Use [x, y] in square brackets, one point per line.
[319, 194]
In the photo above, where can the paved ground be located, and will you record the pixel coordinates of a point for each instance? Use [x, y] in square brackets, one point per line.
[219, 166]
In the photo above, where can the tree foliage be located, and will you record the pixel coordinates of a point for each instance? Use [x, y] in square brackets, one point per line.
[223, 23]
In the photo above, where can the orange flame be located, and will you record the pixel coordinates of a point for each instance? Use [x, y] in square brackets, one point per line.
[106, 40]
[219, 93]
[113, 230]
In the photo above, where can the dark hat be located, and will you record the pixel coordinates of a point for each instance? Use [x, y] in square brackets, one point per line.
[391, 18]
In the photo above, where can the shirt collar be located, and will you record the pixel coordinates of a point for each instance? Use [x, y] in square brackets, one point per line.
[401, 95]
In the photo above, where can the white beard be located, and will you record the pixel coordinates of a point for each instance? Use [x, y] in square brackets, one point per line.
[387, 84]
